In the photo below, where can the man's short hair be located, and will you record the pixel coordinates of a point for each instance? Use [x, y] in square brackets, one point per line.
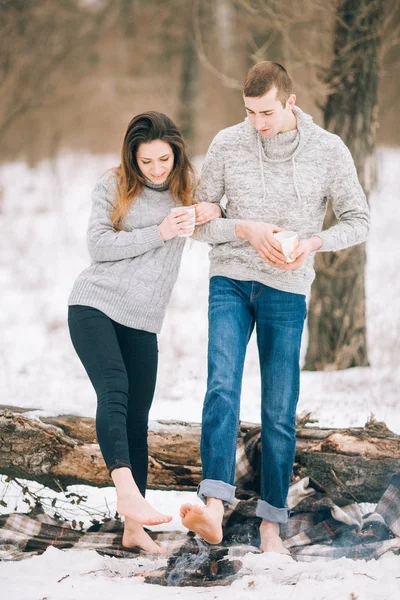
[264, 76]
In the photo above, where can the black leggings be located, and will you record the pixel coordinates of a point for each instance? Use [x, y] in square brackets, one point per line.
[122, 365]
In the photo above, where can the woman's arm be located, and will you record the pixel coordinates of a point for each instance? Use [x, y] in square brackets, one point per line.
[106, 244]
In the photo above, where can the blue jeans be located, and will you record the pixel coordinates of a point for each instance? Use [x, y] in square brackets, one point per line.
[234, 308]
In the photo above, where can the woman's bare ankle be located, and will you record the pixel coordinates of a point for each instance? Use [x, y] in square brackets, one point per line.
[134, 536]
[132, 525]
[124, 481]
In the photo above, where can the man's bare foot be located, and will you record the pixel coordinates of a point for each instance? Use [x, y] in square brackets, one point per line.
[135, 507]
[136, 537]
[270, 538]
[206, 521]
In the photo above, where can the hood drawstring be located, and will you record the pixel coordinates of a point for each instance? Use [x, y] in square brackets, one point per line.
[295, 181]
[260, 151]
[261, 166]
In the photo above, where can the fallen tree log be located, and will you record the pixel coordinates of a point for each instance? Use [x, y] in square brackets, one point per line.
[61, 451]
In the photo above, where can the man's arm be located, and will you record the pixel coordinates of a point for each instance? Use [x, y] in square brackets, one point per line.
[348, 202]
[218, 231]
[350, 207]
[211, 188]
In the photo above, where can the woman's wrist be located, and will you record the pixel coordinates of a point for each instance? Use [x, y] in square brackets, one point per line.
[161, 231]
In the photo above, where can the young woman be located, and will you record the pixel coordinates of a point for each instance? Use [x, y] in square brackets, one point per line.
[117, 304]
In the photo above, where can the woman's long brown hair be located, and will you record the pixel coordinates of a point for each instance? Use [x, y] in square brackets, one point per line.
[145, 128]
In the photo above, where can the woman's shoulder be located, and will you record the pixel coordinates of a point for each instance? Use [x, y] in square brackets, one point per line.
[109, 179]
[106, 188]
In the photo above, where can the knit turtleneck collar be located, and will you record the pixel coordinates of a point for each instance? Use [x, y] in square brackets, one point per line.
[158, 187]
[282, 146]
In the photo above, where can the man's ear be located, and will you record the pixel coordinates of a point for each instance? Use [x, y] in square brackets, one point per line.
[291, 101]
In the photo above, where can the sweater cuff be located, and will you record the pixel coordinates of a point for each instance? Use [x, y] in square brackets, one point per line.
[228, 229]
[328, 241]
[152, 236]
[217, 231]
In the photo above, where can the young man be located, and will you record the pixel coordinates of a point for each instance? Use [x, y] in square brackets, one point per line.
[277, 170]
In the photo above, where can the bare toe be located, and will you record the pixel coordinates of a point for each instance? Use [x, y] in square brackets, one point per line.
[185, 509]
[158, 520]
[134, 506]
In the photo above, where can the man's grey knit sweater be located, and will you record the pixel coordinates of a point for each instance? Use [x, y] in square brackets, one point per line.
[285, 180]
[134, 270]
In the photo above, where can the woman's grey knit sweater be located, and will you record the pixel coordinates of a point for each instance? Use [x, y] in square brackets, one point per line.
[134, 270]
[285, 180]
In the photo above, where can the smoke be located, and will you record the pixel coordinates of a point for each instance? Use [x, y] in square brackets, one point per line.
[188, 563]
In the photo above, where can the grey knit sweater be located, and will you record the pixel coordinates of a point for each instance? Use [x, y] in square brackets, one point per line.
[134, 270]
[285, 180]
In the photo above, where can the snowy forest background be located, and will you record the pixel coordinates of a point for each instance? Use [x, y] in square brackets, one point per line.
[73, 74]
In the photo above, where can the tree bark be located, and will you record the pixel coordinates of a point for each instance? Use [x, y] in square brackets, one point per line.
[61, 451]
[189, 76]
[337, 324]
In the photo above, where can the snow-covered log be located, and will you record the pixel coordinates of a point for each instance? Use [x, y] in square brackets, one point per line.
[61, 451]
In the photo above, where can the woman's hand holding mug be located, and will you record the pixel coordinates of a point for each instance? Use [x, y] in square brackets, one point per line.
[180, 221]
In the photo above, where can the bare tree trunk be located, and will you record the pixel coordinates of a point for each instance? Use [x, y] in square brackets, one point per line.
[224, 12]
[61, 451]
[337, 324]
[189, 75]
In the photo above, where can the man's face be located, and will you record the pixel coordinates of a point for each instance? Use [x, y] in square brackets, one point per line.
[267, 114]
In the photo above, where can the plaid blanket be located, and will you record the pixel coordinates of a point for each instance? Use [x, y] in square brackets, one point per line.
[320, 526]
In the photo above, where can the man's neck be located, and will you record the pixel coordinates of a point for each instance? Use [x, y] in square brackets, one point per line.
[291, 123]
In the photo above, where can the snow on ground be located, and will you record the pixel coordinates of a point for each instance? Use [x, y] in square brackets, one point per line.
[84, 575]
[44, 213]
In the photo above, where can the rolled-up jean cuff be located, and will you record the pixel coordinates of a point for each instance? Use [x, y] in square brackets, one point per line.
[271, 513]
[117, 464]
[214, 488]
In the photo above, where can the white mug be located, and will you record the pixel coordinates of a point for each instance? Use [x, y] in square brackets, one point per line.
[287, 240]
[190, 210]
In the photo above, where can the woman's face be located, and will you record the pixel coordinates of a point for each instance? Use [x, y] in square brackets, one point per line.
[155, 160]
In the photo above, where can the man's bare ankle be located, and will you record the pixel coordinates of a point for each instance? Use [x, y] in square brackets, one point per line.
[215, 504]
[271, 526]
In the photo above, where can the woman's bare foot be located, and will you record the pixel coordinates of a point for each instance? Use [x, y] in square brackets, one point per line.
[136, 537]
[131, 503]
[135, 507]
[270, 538]
[206, 521]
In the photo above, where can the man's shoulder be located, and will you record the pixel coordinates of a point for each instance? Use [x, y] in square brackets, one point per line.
[326, 139]
[329, 149]
[230, 135]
